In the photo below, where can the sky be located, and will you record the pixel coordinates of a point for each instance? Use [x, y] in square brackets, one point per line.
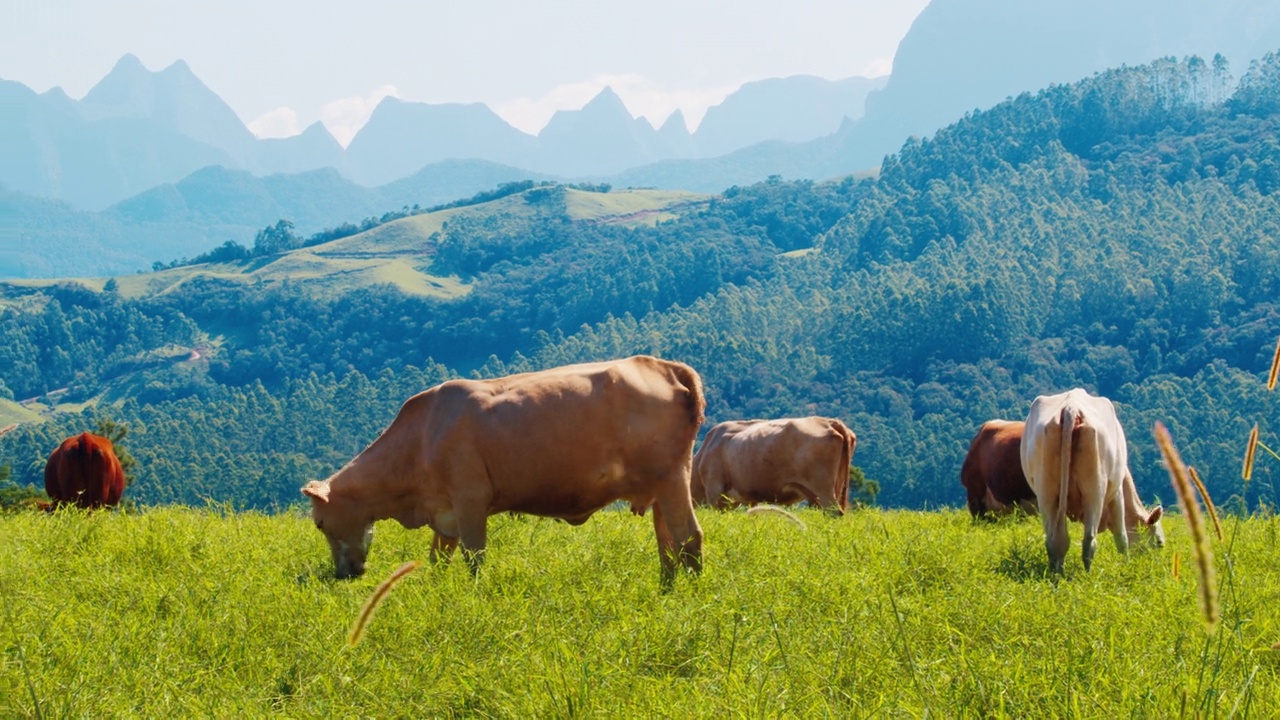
[284, 64]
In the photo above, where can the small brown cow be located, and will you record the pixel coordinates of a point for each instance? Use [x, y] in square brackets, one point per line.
[992, 472]
[560, 443]
[84, 471]
[784, 461]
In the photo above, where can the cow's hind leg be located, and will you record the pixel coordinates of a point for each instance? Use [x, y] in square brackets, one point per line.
[830, 506]
[1089, 544]
[1056, 539]
[679, 535]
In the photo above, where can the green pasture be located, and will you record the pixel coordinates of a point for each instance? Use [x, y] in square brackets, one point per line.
[397, 253]
[13, 412]
[177, 612]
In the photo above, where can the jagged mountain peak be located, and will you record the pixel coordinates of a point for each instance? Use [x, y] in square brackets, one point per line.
[178, 67]
[128, 63]
[675, 124]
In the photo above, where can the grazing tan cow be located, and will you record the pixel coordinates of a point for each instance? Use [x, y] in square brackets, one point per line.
[775, 461]
[559, 443]
[1076, 460]
[992, 471]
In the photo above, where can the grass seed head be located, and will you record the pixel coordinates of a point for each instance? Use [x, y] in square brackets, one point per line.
[1247, 471]
[1208, 502]
[1191, 511]
[383, 589]
[1275, 368]
[1177, 565]
[761, 509]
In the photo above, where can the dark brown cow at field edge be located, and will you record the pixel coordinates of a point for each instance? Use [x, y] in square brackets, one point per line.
[559, 443]
[992, 472]
[783, 461]
[84, 471]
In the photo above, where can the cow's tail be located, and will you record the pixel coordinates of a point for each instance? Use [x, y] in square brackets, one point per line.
[1068, 417]
[848, 442]
[696, 402]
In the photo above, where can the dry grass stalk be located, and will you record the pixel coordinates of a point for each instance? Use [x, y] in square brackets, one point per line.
[1208, 502]
[1177, 565]
[1191, 511]
[1275, 368]
[366, 612]
[8, 429]
[759, 509]
[1247, 472]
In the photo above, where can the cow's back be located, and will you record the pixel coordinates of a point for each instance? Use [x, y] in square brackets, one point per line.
[764, 460]
[993, 464]
[566, 441]
[1097, 445]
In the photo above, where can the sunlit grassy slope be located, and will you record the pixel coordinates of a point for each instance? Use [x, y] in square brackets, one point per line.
[398, 253]
[12, 412]
[178, 613]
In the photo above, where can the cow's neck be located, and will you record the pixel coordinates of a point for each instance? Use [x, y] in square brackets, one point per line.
[1135, 513]
[378, 481]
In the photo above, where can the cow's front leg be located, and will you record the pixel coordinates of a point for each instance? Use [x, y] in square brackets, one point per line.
[473, 529]
[442, 548]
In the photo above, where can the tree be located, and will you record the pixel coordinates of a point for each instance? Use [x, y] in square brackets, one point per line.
[276, 238]
[862, 491]
[116, 432]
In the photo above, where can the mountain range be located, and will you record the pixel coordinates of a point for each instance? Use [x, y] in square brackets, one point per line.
[107, 171]
[139, 128]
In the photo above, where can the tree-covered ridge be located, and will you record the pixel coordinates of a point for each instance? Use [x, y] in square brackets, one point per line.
[1119, 234]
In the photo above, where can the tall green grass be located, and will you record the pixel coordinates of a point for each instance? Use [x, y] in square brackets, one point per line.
[182, 612]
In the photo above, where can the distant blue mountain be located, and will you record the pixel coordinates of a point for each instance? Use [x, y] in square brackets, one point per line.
[173, 98]
[401, 137]
[964, 55]
[139, 128]
[793, 109]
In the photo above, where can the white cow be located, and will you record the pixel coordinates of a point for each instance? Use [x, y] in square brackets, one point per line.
[1077, 462]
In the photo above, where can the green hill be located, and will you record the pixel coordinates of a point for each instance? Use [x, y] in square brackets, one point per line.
[1120, 234]
[211, 206]
[398, 253]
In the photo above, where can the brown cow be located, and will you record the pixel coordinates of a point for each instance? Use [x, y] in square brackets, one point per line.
[992, 471]
[84, 471]
[559, 443]
[779, 461]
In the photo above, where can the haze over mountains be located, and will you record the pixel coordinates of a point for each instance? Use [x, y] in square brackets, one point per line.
[137, 128]
[138, 133]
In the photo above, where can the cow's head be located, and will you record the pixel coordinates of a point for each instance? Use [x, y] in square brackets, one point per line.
[348, 530]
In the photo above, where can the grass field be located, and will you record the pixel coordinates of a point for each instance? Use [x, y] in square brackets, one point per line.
[178, 612]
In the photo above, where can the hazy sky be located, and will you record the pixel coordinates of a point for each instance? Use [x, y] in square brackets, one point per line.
[283, 65]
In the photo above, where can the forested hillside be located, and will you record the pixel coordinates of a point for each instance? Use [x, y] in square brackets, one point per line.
[1120, 234]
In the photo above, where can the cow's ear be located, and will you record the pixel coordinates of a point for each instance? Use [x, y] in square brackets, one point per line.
[1155, 515]
[317, 490]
